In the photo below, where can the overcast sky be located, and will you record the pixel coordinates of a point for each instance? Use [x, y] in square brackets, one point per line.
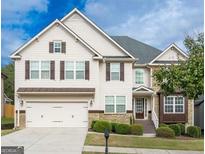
[155, 22]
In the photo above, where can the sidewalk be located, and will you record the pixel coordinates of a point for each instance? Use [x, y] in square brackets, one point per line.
[137, 150]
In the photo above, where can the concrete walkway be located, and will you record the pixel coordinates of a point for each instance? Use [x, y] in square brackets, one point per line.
[47, 140]
[137, 150]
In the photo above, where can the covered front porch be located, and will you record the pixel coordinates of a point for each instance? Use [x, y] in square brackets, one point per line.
[143, 108]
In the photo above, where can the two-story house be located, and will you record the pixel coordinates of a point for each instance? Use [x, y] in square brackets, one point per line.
[72, 72]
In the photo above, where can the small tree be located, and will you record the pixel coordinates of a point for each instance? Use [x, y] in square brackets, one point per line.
[187, 76]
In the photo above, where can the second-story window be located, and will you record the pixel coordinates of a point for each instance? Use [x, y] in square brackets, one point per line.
[34, 67]
[80, 70]
[40, 70]
[69, 70]
[139, 76]
[115, 71]
[57, 46]
[45, 69]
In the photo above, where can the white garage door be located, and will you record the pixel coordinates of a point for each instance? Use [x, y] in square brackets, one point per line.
[47, 114]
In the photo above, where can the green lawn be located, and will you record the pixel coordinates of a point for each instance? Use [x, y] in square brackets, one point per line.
[8, 131]
[7, 120]
[99, 153]
[146, 142]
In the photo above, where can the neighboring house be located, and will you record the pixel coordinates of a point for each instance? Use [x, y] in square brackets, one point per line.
[3, 77]
[199, 112]
[72, 72]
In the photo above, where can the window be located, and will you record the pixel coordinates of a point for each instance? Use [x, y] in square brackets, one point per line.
[57, 46]
[80, 70]
[34, 70]
[69, 70]
[179, 104]
[40, 69]
[115, 104]
[120, 104]
[139, 76]
[174, 104]
[45, 69]
[109, 104]
[115, 71]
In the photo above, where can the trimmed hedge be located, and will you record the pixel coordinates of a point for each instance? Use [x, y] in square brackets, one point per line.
[122, 129]
[194, 131]
[137, 129]
[182, 127]
[93, 123]
[165, 132]
[100, 126]
[7, 126]
[163, 125]
[114, 124]
[176, 128]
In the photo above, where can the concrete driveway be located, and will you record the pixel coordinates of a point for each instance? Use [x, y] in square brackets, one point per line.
[48, 140]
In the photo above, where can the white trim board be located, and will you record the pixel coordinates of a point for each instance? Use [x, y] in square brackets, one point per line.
[165, 50]
[94, 25]
[13, 55]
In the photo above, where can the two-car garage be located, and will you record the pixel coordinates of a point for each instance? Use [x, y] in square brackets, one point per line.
[56, 114]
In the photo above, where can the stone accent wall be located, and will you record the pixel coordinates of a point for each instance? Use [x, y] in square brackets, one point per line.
[22, 119]
[190, 112]
[155, 87]
[156, 105]
[121, 118]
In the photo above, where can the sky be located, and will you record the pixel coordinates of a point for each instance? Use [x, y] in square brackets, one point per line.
[155, 22]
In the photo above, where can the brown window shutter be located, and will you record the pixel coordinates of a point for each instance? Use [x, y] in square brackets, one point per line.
[107, 71]
[87, 70]
[52, 70]
[27, 69]
[122, 72]
[62, 70]
[50, 47]
[63, 44]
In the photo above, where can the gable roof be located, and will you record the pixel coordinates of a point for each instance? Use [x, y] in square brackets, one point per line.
[15, 54]
[169, 47]
[145, 53]
[142, 88]
[75, 10]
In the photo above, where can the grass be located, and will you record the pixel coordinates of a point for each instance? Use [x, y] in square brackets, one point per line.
[8, 131]
[99, 153]
[145, 142]
[5, 120]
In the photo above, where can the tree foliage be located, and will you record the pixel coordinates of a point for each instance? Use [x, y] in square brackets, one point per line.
[187, 76]
[9, 82]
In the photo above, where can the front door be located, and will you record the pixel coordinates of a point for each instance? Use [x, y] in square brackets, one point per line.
[139, 108]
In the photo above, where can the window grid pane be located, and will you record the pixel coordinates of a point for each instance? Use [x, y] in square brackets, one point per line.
[57, 46]
[80, 70]
[69, 70]
[115, 71]
[34, 69]
[139, 76]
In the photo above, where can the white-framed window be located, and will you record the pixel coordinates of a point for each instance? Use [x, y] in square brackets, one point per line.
[115, 71]
[34, 69]
[109, 104]
[39, 69]
[80, 70]
[57, 46]
[75, 70]
[69, 70]
[115, 104]
[120, 104]
[173, 104]
[45, 69]
[139, 76]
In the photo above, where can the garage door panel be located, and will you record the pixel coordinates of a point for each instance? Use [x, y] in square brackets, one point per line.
[56, 114]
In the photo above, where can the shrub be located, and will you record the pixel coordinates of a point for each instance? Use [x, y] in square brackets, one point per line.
[176, 128]
[93, 123]
[122, 128]
[100, 126]
[137, 129]
[114, 124]
[194, 131]
[163, 125]
[182, 127]
[165, 132]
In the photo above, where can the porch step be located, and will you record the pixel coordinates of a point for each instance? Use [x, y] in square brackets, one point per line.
[148, 126]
